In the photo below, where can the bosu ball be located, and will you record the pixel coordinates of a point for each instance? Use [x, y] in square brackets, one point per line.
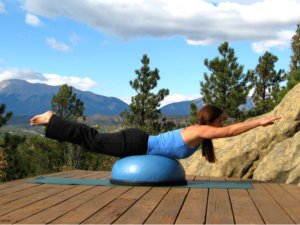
[147, 170]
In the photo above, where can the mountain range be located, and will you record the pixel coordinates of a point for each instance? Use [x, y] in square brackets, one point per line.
[24, 98]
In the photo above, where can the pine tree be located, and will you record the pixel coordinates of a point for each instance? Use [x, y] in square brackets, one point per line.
[226, 86]
[144, 107]
[193, 114]
[295, 45]
[266, 83]
[293, 77]
[66, 104]
[4, 117]
[16, 168]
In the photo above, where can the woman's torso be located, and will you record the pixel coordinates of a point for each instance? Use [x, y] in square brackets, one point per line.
[170, 144]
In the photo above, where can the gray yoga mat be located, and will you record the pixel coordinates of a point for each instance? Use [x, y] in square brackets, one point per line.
[190, 184]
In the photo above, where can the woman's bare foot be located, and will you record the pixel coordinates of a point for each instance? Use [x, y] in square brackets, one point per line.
[42, 119]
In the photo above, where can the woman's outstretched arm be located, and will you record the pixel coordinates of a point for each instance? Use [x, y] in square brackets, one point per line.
[209, 132]
[194, 134]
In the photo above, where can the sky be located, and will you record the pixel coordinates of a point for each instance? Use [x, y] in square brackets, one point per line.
[96, 45]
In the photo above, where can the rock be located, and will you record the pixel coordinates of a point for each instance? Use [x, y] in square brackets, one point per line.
[285, 170]
[265, 153]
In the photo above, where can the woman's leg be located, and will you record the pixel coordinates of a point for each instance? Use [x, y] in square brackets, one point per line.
[123, 143]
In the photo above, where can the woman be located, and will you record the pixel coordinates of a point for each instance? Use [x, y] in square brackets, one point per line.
[180, 143]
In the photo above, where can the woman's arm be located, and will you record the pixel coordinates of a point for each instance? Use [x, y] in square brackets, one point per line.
[194, 135]
[210, 132]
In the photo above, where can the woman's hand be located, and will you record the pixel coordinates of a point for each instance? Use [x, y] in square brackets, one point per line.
[268, 121]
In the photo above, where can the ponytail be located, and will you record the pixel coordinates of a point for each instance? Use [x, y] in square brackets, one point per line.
[208, 151]
[205, 117]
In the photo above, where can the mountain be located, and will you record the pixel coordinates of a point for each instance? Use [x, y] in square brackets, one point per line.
[24, 98]
[183, 108]
[27, 99]
[180, 108]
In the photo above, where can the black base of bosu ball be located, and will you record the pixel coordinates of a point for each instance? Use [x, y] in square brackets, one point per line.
[148, 170]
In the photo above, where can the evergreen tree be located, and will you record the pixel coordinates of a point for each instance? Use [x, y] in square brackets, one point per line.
[193, 114]
[144, 106]
[66, 104]
[4, 117]
[293, 77]
[16, 168]
[226, 86]
[3, 163]
[295, 45]
[267, 83]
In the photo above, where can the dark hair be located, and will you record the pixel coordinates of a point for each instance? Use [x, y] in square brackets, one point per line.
[206, 116]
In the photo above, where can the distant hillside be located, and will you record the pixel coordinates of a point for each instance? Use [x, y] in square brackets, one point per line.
[180, 108]
[27, 99]
[183, 108]
[24, 98]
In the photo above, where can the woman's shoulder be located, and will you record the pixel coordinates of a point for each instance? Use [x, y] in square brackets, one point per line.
[204, 131]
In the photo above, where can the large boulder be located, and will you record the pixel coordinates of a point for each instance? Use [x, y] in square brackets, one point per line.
[265, 153]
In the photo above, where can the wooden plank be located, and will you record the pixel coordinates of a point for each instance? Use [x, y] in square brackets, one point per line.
[193, 210]
[270, 211]
[38, 206]
[219, 208]
[289, 204]
[15, 182]
[293, 190]
[34, 189]
[25, 200]
[19, 186]
[244, 210]
[43, 193]
[113, 210]
[16, 188]
[86, 210]
[22, 194]
[58, 210]
[140, 211]
[168, 209]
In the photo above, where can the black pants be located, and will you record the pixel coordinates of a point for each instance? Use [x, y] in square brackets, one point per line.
[123, 143]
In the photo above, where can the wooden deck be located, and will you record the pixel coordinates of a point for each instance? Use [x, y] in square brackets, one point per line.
[28, 203]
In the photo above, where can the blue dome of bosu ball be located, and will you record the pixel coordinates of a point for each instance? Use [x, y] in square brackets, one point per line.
[147, 170]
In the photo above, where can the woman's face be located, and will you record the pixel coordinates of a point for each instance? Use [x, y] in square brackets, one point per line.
[219, 121]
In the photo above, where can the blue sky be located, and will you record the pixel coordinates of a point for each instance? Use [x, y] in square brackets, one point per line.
[97, 45]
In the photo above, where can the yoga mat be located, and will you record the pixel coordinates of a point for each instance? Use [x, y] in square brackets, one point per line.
[97, 182]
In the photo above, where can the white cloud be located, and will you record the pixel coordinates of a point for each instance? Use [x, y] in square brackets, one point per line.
[177, 98]
[58, 46]
[201, 22]
[126, 99]
[81, 83]
[281, 42]
[247, 2]
[172, 98]
[32, 20]
[24, 74]
[2, 7]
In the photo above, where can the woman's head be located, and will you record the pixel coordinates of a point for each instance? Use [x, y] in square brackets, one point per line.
[210, 115]
[213, 116]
